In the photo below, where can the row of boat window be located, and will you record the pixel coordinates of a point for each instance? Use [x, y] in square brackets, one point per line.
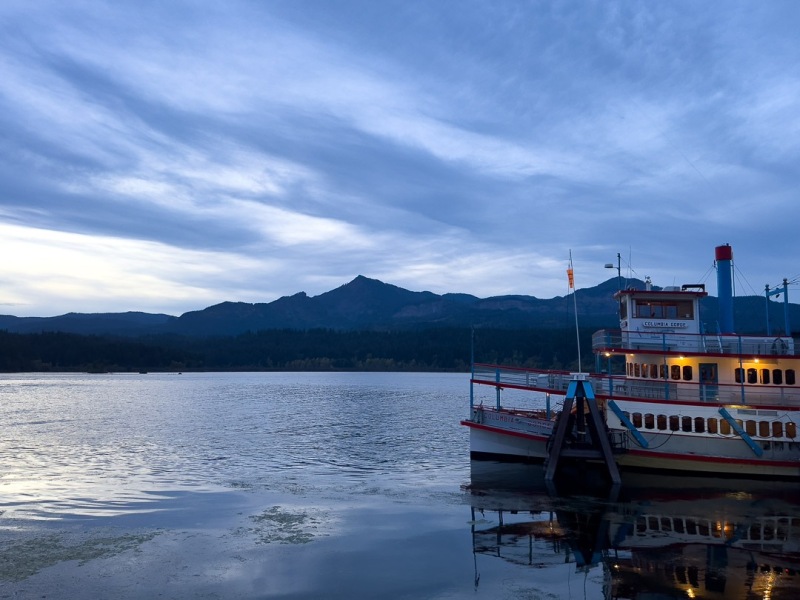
[773, 529]
[686, 373]
[652, 309]
[764, 429]
[753, 375]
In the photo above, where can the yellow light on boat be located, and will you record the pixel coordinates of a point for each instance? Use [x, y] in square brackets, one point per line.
[607, 354]
[755, 360]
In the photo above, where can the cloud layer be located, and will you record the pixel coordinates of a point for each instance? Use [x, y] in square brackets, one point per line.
[168, 156]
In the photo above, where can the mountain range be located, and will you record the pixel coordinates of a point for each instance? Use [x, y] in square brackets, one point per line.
[371, 305]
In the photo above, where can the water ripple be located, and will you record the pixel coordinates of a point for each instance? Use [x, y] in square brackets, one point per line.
[101, 444]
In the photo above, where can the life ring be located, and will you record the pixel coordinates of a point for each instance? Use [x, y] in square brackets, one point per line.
[779, 346]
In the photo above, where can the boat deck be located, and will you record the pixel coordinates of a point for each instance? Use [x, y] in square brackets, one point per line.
[622, 387]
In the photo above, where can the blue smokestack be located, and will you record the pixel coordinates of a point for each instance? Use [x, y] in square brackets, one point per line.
[724, 256]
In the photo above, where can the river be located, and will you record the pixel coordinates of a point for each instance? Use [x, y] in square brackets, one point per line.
[342, 485]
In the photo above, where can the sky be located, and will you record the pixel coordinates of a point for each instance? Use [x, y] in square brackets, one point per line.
[167, 156]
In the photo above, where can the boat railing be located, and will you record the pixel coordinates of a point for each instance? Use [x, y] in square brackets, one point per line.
[522, 378]
[671, 342]
[620, 386]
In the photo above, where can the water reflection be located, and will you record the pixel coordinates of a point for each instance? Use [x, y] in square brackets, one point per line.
[656, 537]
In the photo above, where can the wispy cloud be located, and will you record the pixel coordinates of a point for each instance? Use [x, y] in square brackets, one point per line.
[167, 156]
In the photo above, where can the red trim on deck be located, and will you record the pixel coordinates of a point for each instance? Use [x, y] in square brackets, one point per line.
[788, 409]
[515, 386]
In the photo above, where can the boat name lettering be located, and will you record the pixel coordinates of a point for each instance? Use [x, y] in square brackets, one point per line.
[505, 419]
[666, 324]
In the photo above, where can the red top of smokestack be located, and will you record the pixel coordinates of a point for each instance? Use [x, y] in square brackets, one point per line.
[724, 252]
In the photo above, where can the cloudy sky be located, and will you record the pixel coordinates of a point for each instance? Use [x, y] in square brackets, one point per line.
[167, 156]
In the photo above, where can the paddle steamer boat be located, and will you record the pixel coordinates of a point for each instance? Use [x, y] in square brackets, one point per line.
[690, 400]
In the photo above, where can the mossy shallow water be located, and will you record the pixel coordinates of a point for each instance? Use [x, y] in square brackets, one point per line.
[20, 559]
[284, 526]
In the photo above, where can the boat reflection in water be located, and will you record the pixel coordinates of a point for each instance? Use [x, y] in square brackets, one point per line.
[654, 537]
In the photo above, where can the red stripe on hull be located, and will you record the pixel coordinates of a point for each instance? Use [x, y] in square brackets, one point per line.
[527, 436]
[716, 459]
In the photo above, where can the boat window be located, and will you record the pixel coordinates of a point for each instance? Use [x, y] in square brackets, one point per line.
[674, 423]
[687, 372]
[636, 369]
[675, 372]
[685, 309]
[739, 372]
[712, 425]
[691, 527]
[764, 375]
[703, 528]
[686, 424]
[763, 428]
[663, 371]
[623, 309]
[666, 524]
[789, 376]
[777, 429]
[644, 370]
[699, 424]
[752, 375]
[661, 422]
[664, 310]
[791, 430]
[629, 367]
[641, 525]
[637, 419]
[654, 371]
[724, 427]
[649, 421]
[777, 376]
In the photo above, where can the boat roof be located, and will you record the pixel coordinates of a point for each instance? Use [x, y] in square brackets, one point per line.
[686, 291]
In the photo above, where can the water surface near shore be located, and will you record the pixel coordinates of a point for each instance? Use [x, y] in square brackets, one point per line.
[318, 485]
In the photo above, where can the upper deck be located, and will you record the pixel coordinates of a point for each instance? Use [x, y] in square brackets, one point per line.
[607, 386]
[680, 343]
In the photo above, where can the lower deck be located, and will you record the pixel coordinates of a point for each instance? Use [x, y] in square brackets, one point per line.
[527, 435]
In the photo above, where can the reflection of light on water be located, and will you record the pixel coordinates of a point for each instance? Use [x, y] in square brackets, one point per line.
[770, 583]
[107, 445]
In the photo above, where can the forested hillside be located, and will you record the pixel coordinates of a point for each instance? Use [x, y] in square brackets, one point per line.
[445, 349]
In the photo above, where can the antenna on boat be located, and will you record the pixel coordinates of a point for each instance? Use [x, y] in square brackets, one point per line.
[571, 278]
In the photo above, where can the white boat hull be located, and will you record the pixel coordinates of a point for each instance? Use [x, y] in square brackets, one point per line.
[512, 436]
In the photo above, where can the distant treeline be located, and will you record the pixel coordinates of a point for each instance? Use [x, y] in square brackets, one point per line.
[291, 350]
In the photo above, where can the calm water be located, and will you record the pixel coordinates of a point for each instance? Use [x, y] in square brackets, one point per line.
[356, 485]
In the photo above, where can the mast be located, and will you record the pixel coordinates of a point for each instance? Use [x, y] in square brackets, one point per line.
[571, 277]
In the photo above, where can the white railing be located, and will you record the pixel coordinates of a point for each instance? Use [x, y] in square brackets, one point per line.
[752, 345]
[619, 386]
